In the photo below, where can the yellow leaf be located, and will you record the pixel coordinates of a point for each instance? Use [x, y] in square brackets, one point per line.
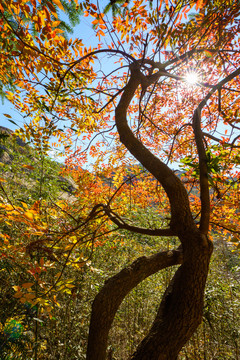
[37, 232]
[28, 215]
[58, 3]
[55, 301]
[24, 205]
[208, 53]
[5, 238]
[16, 288]
[70, 286]
[67, 291]
[42, 301]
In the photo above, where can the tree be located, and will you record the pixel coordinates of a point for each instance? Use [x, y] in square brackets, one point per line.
[151, 113]
[50, 7]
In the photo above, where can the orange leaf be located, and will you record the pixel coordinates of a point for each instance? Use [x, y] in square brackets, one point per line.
[18, 295]
[199, 4]
[30, 296]
[42, 261]
[27, 285]
[55, 23]
[59, 4]
[30, 167]
[8, 116]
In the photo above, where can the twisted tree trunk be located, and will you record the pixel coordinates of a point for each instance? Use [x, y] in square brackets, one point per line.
[114, 291]
[180, 310]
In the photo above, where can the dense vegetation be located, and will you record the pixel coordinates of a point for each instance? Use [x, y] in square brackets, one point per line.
[28, 175]
[27, 332]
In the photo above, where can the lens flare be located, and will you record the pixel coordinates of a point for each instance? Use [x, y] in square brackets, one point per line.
[191, 78]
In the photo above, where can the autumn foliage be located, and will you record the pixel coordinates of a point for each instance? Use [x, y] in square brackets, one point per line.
[73, 94]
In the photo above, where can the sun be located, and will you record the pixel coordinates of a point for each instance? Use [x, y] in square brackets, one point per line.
[192, 77]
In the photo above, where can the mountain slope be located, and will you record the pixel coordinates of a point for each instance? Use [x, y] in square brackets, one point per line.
[28, 175]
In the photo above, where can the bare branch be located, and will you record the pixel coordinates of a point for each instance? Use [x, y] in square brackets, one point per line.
[123, 225]
[217, 87]
[219, 140]
[204, 186]
[228, 228]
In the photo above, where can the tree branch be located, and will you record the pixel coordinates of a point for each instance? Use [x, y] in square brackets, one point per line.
[228, 228]
[123, 225]
[176, 192]
[203, 170]
[220, 140]
[217, 87]
[204, 186]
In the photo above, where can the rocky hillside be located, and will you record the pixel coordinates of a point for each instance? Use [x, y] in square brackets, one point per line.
[28, 175]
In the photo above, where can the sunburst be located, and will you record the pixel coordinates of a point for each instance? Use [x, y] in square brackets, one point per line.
[192, 77]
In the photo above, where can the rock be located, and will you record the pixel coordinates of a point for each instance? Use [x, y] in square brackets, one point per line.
[67, 185]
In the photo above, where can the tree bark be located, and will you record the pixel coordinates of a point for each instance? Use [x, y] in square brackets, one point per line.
[115, 289]
[180, 311]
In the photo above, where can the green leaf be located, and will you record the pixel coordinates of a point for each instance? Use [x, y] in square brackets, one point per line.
[13, 122]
